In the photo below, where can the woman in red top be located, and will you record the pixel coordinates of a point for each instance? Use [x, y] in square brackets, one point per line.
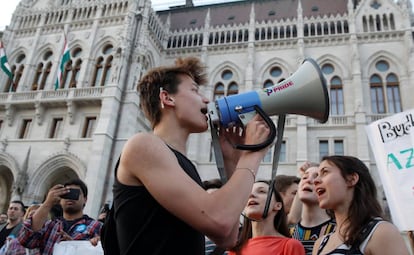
[269, 235]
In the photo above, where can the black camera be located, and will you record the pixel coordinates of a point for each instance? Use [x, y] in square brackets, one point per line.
[105, 208]
[72, 195]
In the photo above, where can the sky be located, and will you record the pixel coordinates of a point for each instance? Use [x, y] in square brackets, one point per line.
[8, 6]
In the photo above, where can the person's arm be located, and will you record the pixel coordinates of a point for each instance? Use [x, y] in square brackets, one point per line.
[386, 240]
[146, 158]
[295, 212]
[96, 228]
[42, 213]
[29, 238]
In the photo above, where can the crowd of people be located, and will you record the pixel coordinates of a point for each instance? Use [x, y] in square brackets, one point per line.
[36, 230]
[161, 205]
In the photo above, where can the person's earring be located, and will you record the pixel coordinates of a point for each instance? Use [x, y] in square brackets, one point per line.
[162, 104]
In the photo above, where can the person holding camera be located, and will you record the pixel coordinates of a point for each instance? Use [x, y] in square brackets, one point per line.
[40, 232]
[103, 212]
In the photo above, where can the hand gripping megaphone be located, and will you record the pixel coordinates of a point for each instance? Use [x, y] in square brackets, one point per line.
[304, 93]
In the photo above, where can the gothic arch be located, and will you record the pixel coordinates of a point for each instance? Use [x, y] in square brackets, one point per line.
[8, 173]
[151, 60]
[282, 63]
[215, 73]
[17, 52]
[335, 61]
[267, 65]
[8, 161]
[76, 43]
[395, 64]
[58, 168]
[100, 44]
[43, 49]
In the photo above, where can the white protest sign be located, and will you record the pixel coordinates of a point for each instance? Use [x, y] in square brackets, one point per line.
[77, 248]
[392, 143]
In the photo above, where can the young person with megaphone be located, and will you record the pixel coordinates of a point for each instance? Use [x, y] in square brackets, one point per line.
[160, 204]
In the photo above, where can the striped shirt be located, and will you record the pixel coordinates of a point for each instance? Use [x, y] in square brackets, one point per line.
[342, 249]
[308, 235]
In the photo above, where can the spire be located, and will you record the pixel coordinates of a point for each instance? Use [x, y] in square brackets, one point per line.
[300, 9]
[252, 14]
[207, 19]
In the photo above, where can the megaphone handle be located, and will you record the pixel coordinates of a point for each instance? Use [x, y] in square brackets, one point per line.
[278, 145]
[271, 137]
[218, 155]
[276, 155]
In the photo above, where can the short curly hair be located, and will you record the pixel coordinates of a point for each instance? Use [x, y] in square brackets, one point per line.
[167, 77]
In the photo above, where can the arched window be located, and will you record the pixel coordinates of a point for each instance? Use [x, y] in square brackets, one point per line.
[273, 76]
[377, 94]
[233, 89]
[219, 91]
[107, 70]
[45, 75]
[18, 76]
[67, 74]
[76, 72]
[42, 71]
[393, 94]
[226, 82]
[227, 75]
[336, 93]
[17, 72]
[268, 83]
[384, 89]
[98, 72]
[37, 77]
[103, 67]
[225, 86]
[71, 72]
[336, 96]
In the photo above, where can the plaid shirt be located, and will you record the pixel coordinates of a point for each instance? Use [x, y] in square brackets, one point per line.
[44, 239]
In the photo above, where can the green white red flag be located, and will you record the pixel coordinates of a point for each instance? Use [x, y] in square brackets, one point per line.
[64, 59]
[4, 63]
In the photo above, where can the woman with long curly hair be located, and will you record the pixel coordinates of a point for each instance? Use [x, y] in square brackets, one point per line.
[345, 186]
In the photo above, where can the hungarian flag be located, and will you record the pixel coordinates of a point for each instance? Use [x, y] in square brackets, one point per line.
[65, 58]
[3, 62]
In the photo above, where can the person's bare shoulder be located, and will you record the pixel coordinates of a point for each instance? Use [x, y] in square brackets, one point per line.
[143, 151]
[385, 240]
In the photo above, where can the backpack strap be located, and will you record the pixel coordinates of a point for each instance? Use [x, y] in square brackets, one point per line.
[323, 243]
[366, 230]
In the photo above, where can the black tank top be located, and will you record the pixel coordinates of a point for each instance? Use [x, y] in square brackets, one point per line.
[145, 227]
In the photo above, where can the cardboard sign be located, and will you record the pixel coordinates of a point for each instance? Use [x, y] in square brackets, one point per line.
[392, 143]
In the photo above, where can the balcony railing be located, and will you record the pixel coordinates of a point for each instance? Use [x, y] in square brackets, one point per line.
[340, 120]
[61, 95]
